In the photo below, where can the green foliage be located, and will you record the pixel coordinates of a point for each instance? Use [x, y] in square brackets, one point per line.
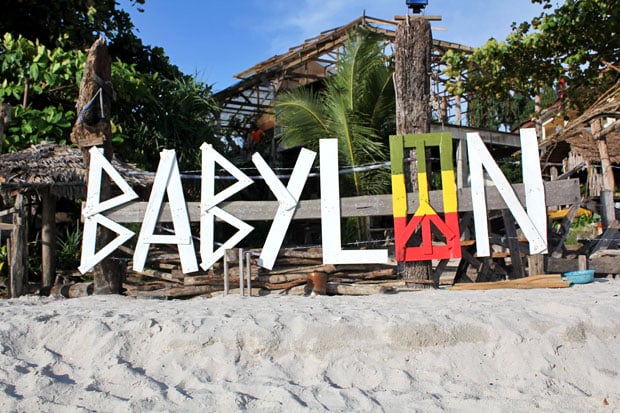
[156, 113]
[572, 42]
[69, 249]
[40, 85]
[34, 258]
[512, 170]
[41, 62]
[75, 24]
[356, 107]
[583, 227]
[3, 261]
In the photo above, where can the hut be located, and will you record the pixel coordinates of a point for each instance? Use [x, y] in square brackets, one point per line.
[38, 177]
[591, 141]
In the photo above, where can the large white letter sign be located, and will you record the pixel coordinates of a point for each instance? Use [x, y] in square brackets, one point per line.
[288, 198]
[208, 209]
[93, 209]
[330, 213]
[533, 223]
[167, 179]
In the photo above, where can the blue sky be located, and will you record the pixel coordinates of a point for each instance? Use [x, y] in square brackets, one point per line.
[216, 39]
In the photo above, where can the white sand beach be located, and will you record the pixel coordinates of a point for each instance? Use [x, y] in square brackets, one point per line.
[498, 350]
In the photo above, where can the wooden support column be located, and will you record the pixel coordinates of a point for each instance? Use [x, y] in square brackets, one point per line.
[48, 238]
[462, 165]
[512, 241]
[412, 84]
[608, 213]
[19, 248]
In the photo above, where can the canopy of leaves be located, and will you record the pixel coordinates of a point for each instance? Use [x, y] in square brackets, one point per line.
[41, 86]
[356, 106]
[573, 42]
[41, 63]
[76, 24]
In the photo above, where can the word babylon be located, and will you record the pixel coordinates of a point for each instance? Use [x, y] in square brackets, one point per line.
[168, 182]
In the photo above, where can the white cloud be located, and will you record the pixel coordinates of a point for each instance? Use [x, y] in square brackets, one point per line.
[308, 18]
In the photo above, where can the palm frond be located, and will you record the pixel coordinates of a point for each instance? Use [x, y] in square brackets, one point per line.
[303, 119]
[355, 104]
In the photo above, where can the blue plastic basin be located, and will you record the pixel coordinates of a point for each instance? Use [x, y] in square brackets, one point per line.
[580, 277]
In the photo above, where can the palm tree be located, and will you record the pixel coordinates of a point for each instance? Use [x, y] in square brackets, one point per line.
[356, 106]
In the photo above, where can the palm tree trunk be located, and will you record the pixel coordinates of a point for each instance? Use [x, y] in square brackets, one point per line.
[412, 84]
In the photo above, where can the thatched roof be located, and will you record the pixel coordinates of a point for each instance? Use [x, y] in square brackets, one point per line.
[578, 137]
[58, 167]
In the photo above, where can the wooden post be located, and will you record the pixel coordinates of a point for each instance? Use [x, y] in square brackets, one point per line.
[412, 83]
[48, 238]
[92, 128]
[19, 248]
[536, 264]
[462, 168]
[513, 244]
[582, 262]
[608, 214]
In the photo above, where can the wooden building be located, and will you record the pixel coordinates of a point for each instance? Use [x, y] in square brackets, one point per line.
[249, 102]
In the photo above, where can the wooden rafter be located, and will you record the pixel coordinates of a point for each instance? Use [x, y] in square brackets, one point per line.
[245, 99]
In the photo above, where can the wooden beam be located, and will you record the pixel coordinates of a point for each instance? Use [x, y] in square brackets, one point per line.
[563, 192]
[538, 281]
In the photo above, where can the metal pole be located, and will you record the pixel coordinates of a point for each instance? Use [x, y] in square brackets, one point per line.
[241, 271]
[226, 272]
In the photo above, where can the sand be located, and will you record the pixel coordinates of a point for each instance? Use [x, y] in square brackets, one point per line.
[498, 350]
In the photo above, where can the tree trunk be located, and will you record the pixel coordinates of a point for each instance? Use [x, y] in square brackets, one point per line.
[412, 82]
[5, 119]
[92, 128]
